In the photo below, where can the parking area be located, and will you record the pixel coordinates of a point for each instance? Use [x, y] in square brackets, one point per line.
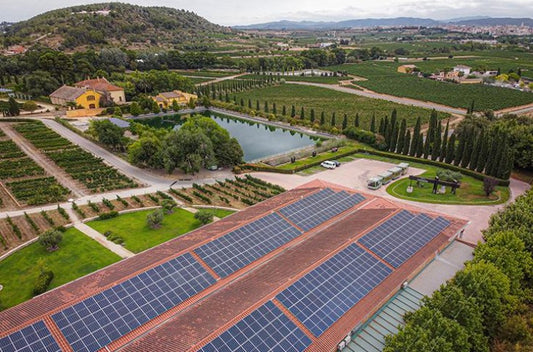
[355, 174]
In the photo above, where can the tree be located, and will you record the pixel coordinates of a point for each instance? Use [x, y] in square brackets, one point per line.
[394, 137]
[188, 149]
[293, 111]
[322, 118]
[135, 109]
[373, 123]
[333, 122]
[344, 122]
[154, 220]
[468, 149]
[274, 108]
[416, 134]
[435, 150]
[146, 152]
[30, 106]
[420, 147]
[444, 145]
[460, 149]
[107, 133]
[284, 111]
[265, 108]
[312, 118]
[13, 108]
[117, 112]
[205, 216]
[476, 150]
[168, 205]
[40, 83]
[407, 143]
[51, 239]
[192, 103]
[302, 113]
[356, 122]
[450, 150]
[483, 152]
[175, 105]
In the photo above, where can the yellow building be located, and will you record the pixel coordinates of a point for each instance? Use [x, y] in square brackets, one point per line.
[166, 99]
[406, 68]
[111, 92]
[86, 98]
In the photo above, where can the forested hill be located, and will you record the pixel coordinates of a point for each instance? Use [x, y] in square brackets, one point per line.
[112, 24]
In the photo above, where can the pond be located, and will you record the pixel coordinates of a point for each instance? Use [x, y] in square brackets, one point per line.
[256, 139]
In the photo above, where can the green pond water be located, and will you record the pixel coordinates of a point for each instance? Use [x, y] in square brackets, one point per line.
[256, 139]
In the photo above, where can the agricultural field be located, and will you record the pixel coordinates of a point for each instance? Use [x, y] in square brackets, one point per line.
[78, 255]
[79, 164]
[383, 78]
[26, 181]
[239, 193]
[329, 101]
[312, 79]
[118, 204]
[205, 73]
[20, 229]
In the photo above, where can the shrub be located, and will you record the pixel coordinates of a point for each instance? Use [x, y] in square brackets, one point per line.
[63, 213]
[205, 216]
[138, 200]
[181, 195]
[94, 207]
[155, 219]
[108, 204]
[168, 205]
[50, 239]
[123, 201]
[164, 195]
[78, 210]
[449, 175]
[14, 227]
[43, 282]
[360, 135]
[47, 217]
[108, 215]
[489, 185]
[153, 198]
[31, 222]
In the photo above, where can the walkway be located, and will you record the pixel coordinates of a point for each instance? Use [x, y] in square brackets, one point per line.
[220, 79]
[98, 237]
[391, 98]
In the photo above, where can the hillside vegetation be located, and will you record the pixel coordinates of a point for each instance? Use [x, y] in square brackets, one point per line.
[112, 24]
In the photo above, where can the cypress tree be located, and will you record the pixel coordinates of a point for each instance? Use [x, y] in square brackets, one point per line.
[302, 113]
[420, 146]
[401, 136]
[414, 141]
[450, 149]
[500, 154]
[484, 153]
[333, 121]
[284, 110]
[394, 137]
[293, 111]
[356, 121]
[373, 123]
[312, 115]
[407, 143]
[435, 152]
[469, 147]
[274, 108]
[387, 130]
[344, 122]
[492, 151]
[381, 126]
[322, 118]
[443, 147]
[266, 106]
[427, 146]
[460, 149]
[242, 102]
[476, 151]
[505, 173]
[257, 108]
[393, 118]
[249, 103]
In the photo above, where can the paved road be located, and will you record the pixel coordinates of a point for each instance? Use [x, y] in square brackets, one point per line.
[391, 98]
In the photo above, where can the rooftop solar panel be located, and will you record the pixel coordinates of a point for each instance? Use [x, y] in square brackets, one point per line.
[265, 329]
[33, 338]
[316, 209]
[322, 296]
[103, 318]
[402, 236]
[235, 250]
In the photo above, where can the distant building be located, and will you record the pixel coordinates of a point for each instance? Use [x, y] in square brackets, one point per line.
[111, 92]
[15, 50]
[86, 98]
[406, 68]
[462, 68]
[166, 99]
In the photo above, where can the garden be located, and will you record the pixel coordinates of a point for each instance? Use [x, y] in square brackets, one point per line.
[78, 255]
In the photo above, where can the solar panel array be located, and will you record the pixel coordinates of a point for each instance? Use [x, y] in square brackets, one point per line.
[100, 319]
[319, 207]
[33, 338]
[235, 250]
[399, 238]
[265, 329]
[323, 295]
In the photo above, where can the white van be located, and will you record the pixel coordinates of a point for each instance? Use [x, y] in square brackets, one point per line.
[328, 164]
[374, 183]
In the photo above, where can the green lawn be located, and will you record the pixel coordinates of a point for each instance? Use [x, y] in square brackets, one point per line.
[220, 213]
[383, 78]
[329, 101]
[77, 256]
[320, 157]
[138, 236]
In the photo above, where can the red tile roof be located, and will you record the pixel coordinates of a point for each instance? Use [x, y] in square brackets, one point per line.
[99, 84]
[204, 316]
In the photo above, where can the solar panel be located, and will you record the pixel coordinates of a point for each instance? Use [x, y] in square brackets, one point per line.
[402, 236]
[33, 338]
[100, 319]
[319, 207]
[323, 295]
[265, 329]
[235, 250]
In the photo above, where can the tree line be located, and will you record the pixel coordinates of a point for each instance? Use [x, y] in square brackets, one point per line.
[486, 306]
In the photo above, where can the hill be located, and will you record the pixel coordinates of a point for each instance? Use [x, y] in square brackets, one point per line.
[386, 22]
[112, 24]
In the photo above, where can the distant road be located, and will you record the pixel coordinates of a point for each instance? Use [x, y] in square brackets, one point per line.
[391, 98]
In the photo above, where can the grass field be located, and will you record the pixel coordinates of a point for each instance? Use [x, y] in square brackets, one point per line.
[314, 79]
[383, 78]
[319, 158]
[138, 236]
[77, 256]
[220, 213]
[329, 101]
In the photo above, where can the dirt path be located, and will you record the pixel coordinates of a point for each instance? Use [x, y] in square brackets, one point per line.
[220, 79]
[42, 160]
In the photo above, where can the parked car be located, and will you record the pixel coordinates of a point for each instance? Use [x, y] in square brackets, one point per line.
[328, 164]
[337, 163]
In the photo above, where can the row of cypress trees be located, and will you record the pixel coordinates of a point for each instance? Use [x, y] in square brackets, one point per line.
[483, 150]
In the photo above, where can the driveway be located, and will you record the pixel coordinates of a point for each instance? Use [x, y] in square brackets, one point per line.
[354, 174]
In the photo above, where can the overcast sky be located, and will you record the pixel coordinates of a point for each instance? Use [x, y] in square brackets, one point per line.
[234, 12]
